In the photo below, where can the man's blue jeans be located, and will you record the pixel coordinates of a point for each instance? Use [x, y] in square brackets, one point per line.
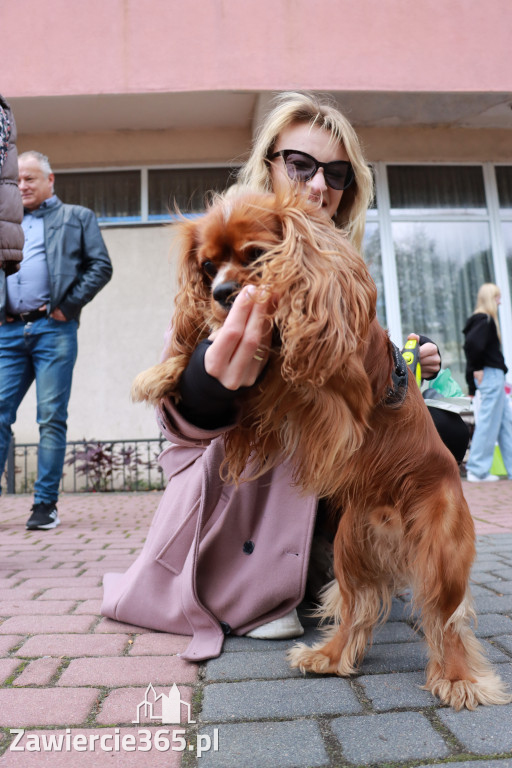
[44, 351]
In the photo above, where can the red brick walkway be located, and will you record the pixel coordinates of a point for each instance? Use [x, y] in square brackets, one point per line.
[63, 666]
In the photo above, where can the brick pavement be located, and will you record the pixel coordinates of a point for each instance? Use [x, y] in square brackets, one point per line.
[68, 674]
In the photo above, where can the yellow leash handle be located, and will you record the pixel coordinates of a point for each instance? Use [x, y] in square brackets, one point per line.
[411, 355]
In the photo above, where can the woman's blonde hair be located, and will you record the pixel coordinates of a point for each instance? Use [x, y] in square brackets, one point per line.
[298, 107]
[486, 302]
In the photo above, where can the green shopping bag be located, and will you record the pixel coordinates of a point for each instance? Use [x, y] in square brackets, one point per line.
[497, 467]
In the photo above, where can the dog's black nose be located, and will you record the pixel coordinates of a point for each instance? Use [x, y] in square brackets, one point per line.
[226, 293]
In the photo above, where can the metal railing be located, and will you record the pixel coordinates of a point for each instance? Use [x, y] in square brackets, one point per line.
[92, 465]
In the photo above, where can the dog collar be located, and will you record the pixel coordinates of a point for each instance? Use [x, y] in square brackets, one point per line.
[395, 395]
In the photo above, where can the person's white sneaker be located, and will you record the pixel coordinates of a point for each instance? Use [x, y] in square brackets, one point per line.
[471, 478]
[279, 629]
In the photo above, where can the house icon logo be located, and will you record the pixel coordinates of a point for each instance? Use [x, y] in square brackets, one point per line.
[163, 707]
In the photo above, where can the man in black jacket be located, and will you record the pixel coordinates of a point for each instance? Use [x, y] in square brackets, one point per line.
[65, 264]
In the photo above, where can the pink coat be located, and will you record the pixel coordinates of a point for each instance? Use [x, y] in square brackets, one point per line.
[217, 559]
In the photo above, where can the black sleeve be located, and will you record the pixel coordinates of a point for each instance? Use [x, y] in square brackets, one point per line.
[205, 402]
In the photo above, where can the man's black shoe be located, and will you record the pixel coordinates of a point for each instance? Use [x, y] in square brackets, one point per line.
[44, 516]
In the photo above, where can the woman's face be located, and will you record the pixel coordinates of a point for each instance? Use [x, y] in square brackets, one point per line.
[317, 142]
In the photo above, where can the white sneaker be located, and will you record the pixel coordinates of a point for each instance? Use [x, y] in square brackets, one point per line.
[471, 478]
[279, 629]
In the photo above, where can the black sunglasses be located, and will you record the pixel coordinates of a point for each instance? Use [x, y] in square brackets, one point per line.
[302, 167]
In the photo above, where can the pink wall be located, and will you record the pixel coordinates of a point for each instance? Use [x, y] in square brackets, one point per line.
[63, 47]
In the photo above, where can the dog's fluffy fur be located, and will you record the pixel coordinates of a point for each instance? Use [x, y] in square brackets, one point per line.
[394, 487]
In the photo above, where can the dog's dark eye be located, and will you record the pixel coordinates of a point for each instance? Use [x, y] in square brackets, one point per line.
[253, 254]
[209, 268]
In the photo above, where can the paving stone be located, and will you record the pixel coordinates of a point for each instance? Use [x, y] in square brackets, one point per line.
[257, 700]
[138, 670]
[158, 644]
[395, 632]
[73, 645]
[493, 624]
[7, 642]
[24, 707]
[235, 643]
[392, 657]
[502, 586]
[400, 610]
[38, 672]
[476, 764]
[243, 666]
[505, 673]
[506, 642]
[7, 668]
[494, 654]
[101, 569]
[19, 593]
[109, 625]
[482, 577]
[51, 583]
[72, 593]
[295, 744]
[48, 573]
[367, 739]
[397, 691]
[493, 604]
[486, 731]
[34, 625]
[503, 572]
[33, 607]
[8, 583]
[482, 590]
[88, 606]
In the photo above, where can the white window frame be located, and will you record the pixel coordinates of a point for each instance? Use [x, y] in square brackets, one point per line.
[144, 186]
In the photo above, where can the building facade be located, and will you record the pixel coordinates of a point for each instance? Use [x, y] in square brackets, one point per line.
[143, 105]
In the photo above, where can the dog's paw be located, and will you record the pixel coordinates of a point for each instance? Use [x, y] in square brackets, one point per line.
[307, 659]
[312, 659]
[156, 383]
[470, 693]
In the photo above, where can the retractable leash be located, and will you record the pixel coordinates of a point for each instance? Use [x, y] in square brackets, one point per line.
[411, 355]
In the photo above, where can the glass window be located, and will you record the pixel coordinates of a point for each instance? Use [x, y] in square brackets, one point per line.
[440, 267]
[373, 257]
[506, 228]
[440, 263]
[184, 189]
[427, 188]
[114, 196]
[504, 181]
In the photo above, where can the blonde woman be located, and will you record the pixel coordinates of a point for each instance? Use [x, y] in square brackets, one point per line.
[485, 363]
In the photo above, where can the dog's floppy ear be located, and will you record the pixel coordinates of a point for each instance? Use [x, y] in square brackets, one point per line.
[162, 380]
[193, 295]
[325, 313]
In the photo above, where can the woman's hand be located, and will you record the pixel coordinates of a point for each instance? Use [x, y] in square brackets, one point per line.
[241, 347]
[430, 360]
[478, 377]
